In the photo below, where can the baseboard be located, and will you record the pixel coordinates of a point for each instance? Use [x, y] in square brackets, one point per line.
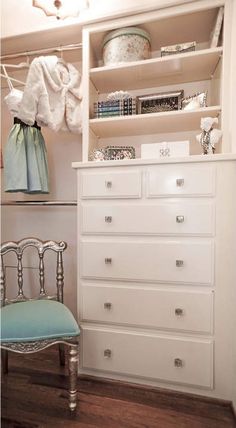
[155, 395]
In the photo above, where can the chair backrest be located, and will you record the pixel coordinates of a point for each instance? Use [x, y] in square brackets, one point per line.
[42, 246]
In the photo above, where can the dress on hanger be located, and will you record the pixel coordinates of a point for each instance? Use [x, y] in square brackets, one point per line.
[25, 155]
[13, 99]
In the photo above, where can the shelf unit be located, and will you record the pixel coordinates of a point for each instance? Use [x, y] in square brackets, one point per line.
[197, 71]
[188, 67]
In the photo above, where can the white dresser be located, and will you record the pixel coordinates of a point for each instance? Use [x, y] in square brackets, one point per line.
[156, 271]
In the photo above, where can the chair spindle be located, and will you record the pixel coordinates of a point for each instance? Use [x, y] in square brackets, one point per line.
[41, 275]
[20, 275]
[60, 277]
[2, 283]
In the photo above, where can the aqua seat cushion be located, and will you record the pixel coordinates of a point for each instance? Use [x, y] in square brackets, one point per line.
[35, 320]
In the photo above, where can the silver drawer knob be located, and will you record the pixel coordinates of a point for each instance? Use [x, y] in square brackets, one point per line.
[179, 219]
[178, 362]
[108, 219]
[108, 184]
[107, 353]
[107, 305]
[108, 260]
[179, 263]
[179, 182]
[179, 311]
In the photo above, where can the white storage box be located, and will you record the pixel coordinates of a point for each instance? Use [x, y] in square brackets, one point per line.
[126, 44]
[163, 150]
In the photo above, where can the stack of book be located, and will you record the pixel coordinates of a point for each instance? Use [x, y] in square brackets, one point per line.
[115, 108]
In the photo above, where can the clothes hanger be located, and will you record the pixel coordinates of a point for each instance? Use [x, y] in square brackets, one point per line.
[5, 75]
[61, 59]
[9, 79]
[13, 79]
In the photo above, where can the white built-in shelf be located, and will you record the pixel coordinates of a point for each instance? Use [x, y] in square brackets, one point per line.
[144, 124]
[164, 28]
[187, 67]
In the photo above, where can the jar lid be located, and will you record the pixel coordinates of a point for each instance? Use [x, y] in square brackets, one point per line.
[126, 32]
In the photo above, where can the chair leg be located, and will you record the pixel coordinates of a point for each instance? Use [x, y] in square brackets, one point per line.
[73, 373]
[61, 354]
[4, 356]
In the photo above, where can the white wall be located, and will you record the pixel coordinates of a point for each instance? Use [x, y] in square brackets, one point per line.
[31, 19]
[233, 136]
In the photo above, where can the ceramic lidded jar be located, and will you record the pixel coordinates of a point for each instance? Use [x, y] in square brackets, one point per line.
[126, 44]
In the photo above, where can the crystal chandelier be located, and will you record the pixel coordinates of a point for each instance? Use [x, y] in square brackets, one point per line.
[61, 9]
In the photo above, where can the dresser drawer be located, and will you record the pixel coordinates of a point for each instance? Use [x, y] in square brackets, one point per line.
[180, 180]
[179, 218]
[180, 360]
[125, 184]
[179, 261]
[167, 309]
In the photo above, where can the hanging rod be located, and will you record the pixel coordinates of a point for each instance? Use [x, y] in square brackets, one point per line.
[35, 203]
[41, 51]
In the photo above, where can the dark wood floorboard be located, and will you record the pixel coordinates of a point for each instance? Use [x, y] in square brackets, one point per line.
[34, 394]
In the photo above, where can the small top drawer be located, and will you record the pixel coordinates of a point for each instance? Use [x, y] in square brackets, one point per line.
[180, 180]
[98, 185]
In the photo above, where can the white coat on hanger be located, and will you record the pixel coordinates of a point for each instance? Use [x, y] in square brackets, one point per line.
[52, 95]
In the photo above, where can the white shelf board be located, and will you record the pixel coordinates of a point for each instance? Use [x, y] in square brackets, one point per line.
[187, 67]
[152, 123]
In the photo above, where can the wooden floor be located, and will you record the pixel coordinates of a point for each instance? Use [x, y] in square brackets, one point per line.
[34, 395]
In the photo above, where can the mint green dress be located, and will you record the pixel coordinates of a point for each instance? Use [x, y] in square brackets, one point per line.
[25, 154]
[25, 161]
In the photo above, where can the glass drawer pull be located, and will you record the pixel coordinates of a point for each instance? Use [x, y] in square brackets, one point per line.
[107, 305]
[179, 219]
[107, 353]
[179, 263]
[179, 311]
[108, 184]
[178, 362]
[179, 182]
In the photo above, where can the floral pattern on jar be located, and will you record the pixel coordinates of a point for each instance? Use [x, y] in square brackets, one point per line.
[130, 44]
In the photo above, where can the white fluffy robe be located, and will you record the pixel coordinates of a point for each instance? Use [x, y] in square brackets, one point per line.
[52, 95]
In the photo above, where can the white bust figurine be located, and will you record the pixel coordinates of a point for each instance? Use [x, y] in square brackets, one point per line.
[209, 136]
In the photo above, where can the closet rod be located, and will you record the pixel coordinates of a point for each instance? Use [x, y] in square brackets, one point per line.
[35, 203]
[41, 51]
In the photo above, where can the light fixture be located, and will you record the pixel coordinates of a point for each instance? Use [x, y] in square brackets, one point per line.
[61, 8]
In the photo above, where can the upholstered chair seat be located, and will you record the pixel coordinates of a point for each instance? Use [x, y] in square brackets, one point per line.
[37, 320]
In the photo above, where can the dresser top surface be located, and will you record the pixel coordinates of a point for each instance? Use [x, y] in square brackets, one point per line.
[136, 162]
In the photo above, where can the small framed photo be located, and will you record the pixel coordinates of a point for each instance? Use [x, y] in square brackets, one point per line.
[176, 49]
[120, 152]
[156, 103]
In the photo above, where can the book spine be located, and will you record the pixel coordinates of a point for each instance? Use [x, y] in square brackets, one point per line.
[116, 103]
[115, 113]
[128, 108]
